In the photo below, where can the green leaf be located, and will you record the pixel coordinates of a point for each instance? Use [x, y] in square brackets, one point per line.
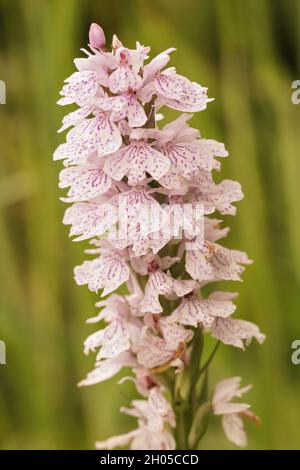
[199, 425]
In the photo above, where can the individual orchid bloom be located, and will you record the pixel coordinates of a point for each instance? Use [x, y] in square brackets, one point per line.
[113, 340]
[86, 181]
[173, 332]
[124, 106]
[108, 272]
[142, 192]
[143, 380]
[98, 133]
[187, 152]
[122, 331]
[216, 196]
[135, 160]
[125, 77]
[140, 439]
[114, 307]
[232, 412]
[194, 311]
[75, 117]
[73, 154]
[177, 92]
[209, 261]
[151, 433]
[80, 88]
[161, 283]
[153, 351]
[238, 333]
[213, 230]
[89, 219]
[107, 368]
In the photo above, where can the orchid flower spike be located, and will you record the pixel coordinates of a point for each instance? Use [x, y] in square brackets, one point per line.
[142, 191]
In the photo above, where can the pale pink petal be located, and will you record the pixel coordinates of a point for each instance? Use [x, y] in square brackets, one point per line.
[85, 181]
[80, 89]
[214, 262]
[73, 154]
[157, 64]
[115, 341]
[208, 149]
[183, 164]
[75, 117]
[213, 230]
[179, 93]
[90, 219]
[136, 114]
[158, 284]
[93, 341]
[124, 106]
[117, 441]
[234, 429]
[107, 272]
[217, 196]
[229, 408]
[237, 333]
[159, 406]
[107, 368]
[181, 288]
[124, 78]
[153, 351]
[97, 134]
[227, 389]
[221, 295]
[193, 311]
[135, 160]
[153, 441]
[173, 332]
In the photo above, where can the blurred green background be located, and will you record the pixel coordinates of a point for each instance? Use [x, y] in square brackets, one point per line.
[247, 53]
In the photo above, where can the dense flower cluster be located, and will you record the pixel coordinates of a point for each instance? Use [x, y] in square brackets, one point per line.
[118, 162]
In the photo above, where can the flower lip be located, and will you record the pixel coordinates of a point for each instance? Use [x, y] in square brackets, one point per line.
[152, 266]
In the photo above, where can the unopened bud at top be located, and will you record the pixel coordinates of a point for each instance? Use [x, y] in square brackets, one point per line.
[96, 36]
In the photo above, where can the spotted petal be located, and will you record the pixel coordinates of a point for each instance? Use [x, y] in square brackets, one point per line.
[213, 262]
[107, 368]
[193, 311]
[135, 160]
[97, 134]
[80, 89]
[238, 333]
[73, 154]
[90, 219]
[85, 181]
[107, 272]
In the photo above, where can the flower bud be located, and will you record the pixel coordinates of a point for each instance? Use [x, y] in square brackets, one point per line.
[96, 36]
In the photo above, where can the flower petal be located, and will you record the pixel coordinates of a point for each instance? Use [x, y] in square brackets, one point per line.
[86, 182]
[234, 429]
[74, 154]
[107, 272]
[135, 160]
[238, 333]
[97, 134]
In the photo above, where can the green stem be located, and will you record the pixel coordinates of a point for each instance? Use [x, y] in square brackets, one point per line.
[190, 404]
[209, 359]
